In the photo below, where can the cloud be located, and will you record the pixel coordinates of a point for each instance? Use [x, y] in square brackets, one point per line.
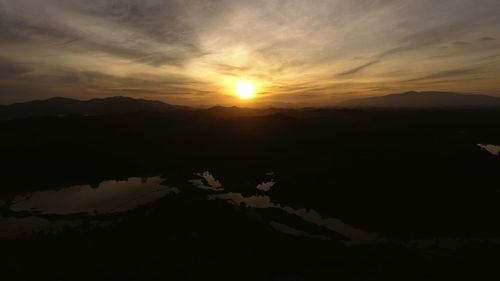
[460, 43]
[359, 68]
[142, 31]
[138, 90]
[435, 34]
[11, 69]
[486, 39]
[194, 49]
[448, 74]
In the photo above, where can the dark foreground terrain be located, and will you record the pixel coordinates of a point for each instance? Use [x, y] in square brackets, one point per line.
[259, 195]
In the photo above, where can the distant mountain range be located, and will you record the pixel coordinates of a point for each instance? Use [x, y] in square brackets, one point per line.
[122, 105]
[425, 100]
[66, 106]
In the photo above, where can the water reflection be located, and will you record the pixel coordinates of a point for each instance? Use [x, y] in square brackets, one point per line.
[491, 148]
[206, 181]
[117, 196]
[28, 212]
[110, 196]
[266, 186]
[356, 236]
[51, 211]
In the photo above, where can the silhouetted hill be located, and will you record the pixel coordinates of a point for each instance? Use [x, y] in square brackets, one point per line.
[65, 106]
[426, 99]
[230, 112]
[418, 179]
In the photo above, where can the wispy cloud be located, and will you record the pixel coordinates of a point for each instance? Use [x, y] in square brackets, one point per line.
[191, 51]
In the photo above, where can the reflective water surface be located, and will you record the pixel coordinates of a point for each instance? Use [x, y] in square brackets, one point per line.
[355, 236]
[28, 213]
[206, 181]
[266, 186]
[53, 210]
[109, 196]
[491, 148]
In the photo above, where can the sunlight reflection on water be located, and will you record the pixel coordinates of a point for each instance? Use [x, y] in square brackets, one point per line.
[110, 196]
[491, 148]
[206, 181]
[266, 186]
[356, 236]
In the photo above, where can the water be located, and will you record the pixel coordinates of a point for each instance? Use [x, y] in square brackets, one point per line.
[491, 148]
[109, 197]
[206, 181]
[355, 236]
[266, 186]
[34, 213]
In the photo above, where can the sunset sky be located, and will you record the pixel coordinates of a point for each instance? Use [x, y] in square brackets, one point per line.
[296, 52]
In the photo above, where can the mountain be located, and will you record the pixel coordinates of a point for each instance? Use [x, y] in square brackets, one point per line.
[234, 111]
[66, 106]
[425, 100]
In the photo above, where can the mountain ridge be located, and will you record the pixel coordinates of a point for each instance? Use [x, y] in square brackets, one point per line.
[428, 99]
[98, 106]
[58, 106]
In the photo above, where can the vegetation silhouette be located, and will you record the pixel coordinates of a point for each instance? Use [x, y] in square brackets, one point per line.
[407, 174]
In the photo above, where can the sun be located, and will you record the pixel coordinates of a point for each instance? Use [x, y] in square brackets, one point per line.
[244, 89]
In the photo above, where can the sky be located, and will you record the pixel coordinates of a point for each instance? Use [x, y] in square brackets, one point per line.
[294, 52]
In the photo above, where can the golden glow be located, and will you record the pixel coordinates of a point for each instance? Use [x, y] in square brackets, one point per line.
[244, 89]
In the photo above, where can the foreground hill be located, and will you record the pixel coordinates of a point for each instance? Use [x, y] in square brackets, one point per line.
[418, 179]
[426, 99]
[65, 106]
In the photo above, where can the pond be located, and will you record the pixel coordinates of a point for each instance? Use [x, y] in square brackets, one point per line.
[29, 212]
[491, 148]
[208, 182]
[109, 196]
[55, 210]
